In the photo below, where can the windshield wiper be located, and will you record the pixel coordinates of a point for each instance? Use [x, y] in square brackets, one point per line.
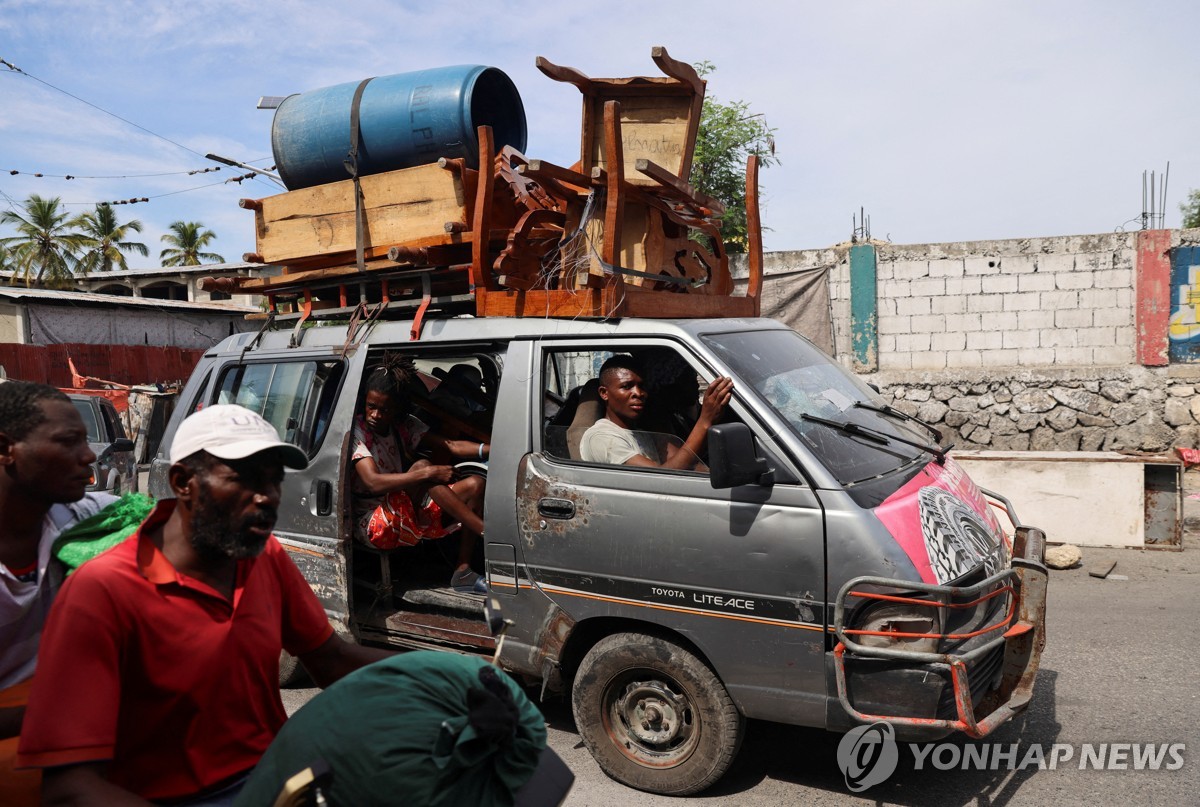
[939, 453]
[892, 411]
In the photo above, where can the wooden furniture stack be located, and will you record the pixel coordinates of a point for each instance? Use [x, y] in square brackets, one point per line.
[620, 233]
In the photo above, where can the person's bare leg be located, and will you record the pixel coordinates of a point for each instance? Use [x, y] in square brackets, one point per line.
[463, 502]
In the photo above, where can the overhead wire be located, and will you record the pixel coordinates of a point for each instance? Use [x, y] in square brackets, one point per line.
[12, 68]
[161, 195]
[193, 172]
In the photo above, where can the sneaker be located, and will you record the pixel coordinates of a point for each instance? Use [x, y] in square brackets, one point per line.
[466, 581]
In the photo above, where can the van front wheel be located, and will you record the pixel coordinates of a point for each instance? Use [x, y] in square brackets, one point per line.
[292, 674]
[654, 716]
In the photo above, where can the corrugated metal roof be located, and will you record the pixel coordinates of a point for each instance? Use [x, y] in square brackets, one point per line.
[116, 301]
[202, 269]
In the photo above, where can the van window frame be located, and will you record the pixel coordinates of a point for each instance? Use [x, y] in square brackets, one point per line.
[786, 473]
[306, 421]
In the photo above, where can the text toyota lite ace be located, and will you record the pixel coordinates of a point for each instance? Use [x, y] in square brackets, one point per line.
[827, 564]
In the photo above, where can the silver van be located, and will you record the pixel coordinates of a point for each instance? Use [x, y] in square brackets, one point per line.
[830, 565]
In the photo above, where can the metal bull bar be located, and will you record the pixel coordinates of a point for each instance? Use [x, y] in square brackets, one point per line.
[1022, 633]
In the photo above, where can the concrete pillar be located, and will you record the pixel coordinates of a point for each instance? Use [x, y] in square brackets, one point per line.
[1152, 285]
[864, 308]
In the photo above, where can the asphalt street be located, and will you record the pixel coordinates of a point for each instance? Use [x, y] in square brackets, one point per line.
[1120, 666]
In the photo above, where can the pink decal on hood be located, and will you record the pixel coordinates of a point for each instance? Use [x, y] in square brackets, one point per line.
[942, 522]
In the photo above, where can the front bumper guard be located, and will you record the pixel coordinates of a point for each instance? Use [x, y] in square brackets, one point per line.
[1022, 633]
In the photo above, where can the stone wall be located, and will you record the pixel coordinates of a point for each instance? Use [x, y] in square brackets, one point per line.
[1110, 409]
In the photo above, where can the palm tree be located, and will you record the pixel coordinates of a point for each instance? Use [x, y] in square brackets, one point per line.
[45, 247]
[107, 240]
[187, 238]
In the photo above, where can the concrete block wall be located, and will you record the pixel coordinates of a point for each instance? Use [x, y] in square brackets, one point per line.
[1031, 302]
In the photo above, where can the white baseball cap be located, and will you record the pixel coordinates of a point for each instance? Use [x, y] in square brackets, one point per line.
[232, 432]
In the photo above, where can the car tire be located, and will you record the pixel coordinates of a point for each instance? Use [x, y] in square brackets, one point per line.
[292, 674]
[654, 716]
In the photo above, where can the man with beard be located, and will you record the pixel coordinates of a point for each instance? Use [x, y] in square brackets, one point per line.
[158, 676]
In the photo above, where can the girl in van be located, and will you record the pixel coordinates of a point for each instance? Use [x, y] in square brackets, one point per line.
[400, 499]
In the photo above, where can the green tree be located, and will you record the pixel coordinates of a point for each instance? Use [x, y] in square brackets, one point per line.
[729, 133]
[107, 241]
[187, 240]
[45, 250]
[1191, 210]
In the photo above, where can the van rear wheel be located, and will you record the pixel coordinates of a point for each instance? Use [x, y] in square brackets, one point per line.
[654, 716]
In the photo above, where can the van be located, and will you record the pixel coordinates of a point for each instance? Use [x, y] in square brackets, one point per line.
[114, 470]
[827, 564]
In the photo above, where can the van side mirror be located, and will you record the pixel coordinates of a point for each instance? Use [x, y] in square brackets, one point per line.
[732, 460]
[121, 444]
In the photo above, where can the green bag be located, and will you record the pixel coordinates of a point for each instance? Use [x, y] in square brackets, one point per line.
[86, 539]
[415, 729]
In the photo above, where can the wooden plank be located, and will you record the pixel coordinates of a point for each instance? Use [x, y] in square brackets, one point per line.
[399, 206]
[297, 280]
[542, 303]
[540, 169]
[642, 242]
[614, 200]
[665, 305]
[481, 262]
[679, 189]
[654, 129]
[754, 231]
[597, 303]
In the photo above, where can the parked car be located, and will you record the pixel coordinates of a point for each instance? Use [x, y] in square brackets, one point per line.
[115, 470]
[830, 565]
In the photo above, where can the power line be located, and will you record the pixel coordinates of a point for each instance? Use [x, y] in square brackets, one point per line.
[193, 172]
[137, 200]
[12, 203]
[14, 69]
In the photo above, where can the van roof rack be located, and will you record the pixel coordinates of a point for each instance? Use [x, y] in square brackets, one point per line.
[613, 236]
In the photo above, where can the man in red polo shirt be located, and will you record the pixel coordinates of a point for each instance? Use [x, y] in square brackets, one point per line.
[158, 672]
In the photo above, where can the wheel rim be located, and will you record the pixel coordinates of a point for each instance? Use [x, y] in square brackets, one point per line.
[651, 719]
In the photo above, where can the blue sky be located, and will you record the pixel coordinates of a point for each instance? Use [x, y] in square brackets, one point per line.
[947, 121]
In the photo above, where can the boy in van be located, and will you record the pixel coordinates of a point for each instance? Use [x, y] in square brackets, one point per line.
[612, 439]
[400, 500]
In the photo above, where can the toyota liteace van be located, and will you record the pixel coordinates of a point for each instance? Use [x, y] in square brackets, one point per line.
[826, 563]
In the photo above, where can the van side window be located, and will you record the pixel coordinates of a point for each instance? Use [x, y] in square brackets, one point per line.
[295, 397]
[198, 402]
[649, 426]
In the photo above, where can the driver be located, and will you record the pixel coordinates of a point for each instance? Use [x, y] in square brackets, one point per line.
[612, 439]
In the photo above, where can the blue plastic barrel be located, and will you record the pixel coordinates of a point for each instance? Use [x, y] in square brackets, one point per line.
[405, 119]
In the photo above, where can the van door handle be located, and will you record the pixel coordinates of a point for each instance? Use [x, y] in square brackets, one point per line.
[556, 508]
[323, 495]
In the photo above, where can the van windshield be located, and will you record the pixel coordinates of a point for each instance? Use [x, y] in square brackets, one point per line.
[823, 404]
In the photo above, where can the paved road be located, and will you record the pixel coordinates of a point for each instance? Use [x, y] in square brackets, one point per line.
[1121, 665]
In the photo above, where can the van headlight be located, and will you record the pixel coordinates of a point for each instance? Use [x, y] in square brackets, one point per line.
[889, 625]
